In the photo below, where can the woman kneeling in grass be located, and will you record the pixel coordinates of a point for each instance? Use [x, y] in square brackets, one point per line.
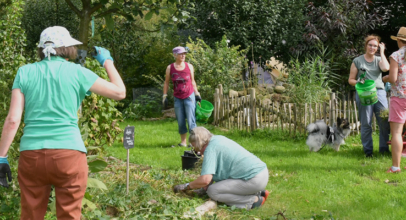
[240, 177]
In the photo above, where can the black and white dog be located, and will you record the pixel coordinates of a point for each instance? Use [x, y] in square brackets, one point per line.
[320, 134]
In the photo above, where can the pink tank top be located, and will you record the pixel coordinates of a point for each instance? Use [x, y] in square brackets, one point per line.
[182, 82]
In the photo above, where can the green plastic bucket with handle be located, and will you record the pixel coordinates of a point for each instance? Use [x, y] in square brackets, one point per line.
[203, 111]
[367, 92]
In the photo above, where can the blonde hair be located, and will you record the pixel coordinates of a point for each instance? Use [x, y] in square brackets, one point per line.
[369, 38]
[200, 136]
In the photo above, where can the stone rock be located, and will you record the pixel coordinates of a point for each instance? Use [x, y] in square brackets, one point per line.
[288, 86]
[270, 90]
[260, 97]
[240, 93]
[232, 93]
[169, 113]
[285, 98]
[266, 102]
[267, 96]
[280, 89]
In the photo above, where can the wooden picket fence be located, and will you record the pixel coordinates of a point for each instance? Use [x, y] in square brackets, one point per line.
[237, 113]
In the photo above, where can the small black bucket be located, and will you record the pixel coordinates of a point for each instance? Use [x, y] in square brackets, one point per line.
[188, 160]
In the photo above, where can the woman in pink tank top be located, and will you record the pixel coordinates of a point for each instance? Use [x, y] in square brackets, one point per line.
[184, 91]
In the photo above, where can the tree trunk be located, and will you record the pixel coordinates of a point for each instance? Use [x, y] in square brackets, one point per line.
[84, 29]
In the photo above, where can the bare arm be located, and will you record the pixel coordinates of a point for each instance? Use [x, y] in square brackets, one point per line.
[115, 89]
[167, 78]
[201, 181]
[393, 71]
[192, 77]
[383, 64]
[12, 121]
[353, 74]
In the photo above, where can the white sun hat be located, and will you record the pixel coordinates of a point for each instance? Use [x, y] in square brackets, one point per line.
[54, 37]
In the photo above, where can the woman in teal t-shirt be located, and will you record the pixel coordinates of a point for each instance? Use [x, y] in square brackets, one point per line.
[240, 177]
[51, 149]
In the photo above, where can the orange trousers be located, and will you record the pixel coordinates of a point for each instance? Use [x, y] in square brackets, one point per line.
[66, 170]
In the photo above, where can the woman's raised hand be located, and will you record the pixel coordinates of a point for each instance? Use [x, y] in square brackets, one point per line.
[382, 46]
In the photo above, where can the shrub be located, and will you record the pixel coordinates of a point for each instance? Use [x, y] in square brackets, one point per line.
[311, 78]
[39, 15]
[146, 106]
[12, 41]
[99, 118]
[136, 53]
[221, 65]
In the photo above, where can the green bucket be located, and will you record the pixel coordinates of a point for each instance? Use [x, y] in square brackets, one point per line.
[203, 111]
[367, 92]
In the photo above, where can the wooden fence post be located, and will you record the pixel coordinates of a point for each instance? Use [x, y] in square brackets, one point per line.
[332, 108]
[216, 107]
[253, 111]
[220, 104]
[295, 116]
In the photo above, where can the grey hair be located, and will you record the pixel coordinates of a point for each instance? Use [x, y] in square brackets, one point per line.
[200, 136]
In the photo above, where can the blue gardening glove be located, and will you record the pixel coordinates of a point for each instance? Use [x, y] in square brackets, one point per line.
[4, 171]
[102, 55]
[387, 86]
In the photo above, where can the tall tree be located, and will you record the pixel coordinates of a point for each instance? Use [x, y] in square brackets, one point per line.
[130, 9]
[270, 26]
[340, 25]
[4, 4]
[396, 11]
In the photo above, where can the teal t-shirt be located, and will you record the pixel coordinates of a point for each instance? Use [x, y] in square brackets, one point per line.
[225, 159]
[53, 91]
[374, 72]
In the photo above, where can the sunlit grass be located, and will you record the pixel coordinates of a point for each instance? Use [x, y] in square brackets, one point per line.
[344, 184]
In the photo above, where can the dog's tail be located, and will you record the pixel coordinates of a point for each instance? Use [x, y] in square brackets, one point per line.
[311, 128]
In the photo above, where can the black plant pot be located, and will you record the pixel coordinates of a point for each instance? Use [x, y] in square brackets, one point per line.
[188, 160]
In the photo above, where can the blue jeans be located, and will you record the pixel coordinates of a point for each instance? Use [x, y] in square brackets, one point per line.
[365, 115]
[185, 110]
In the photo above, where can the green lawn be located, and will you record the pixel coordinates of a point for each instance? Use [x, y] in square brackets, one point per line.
[344, 184]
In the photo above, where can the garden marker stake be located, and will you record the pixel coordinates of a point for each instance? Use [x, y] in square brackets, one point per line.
[128, 142]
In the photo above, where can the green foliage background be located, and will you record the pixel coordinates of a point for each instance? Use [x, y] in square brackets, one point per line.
[99, 119]
[38, 15]
[136, 53]
[264, 24]
[12, 42]
[219, 65]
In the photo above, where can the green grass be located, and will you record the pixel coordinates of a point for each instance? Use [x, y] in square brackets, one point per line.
[344, 184]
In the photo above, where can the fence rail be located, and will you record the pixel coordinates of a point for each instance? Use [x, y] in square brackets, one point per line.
[248, 113]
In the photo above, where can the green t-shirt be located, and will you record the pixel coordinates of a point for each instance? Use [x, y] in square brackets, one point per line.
[374, 72]
[225, 159]
[53, 91]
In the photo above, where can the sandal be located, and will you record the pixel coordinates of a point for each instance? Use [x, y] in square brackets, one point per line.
[265, 194]
[393, 171]
[259, 203]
